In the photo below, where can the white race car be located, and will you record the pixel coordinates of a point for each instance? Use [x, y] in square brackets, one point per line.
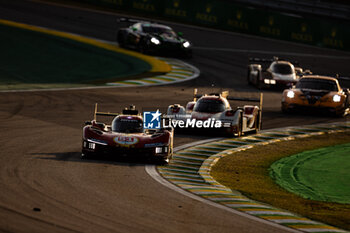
[278, 73]
[213, 111]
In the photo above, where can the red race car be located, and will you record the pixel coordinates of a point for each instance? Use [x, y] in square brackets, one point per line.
[126, 136]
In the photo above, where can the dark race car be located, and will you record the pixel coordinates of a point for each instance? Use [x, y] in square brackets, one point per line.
[273, 72]
[126, 137]
[153, 38]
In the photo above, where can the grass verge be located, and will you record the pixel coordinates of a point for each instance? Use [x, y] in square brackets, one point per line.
[248, 172]
[39, 57]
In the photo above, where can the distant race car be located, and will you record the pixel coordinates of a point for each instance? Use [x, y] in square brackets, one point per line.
[273, 72]
[214, 111]
[150, 37]
[317, 92]
[126, 137]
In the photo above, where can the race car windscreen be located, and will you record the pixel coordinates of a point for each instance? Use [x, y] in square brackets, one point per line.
[317, 84]
[209, 105]
[126, 125]
[158, 30]
[282, 69]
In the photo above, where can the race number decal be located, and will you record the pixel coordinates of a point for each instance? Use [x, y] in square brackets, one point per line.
[125, 140]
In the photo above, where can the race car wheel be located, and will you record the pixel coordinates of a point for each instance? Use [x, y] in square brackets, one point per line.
[285, 109]
[257, 122]
[86, 155]
[121, 40]
[141, 47]
[257, 81]
[248, 77]
[340, 112]
[188, 54]
[240, 125]
[162, 161]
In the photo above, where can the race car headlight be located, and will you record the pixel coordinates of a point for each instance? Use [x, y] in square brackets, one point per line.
[155, 41]
[159, 150]
[270, 81]
[90, 145]
[186, 44]
[336, 98]
[290, 94]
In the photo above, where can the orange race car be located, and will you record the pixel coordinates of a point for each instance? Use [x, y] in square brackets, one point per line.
[320, 92]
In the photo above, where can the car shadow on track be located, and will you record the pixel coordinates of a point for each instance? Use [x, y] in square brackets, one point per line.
[76, 157]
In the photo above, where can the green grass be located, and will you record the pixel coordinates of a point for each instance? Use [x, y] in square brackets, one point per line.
[248, 172]
[29, 57]
[321, 174]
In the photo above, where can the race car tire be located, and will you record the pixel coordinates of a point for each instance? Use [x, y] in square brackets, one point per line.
[257, 123]
[162, 161]
[86, 155]
[240, 125]
[340, 112]
[188, 54]
[141, 47]
[248, 77]
[285, 110]
[121, 39]
[258, 84]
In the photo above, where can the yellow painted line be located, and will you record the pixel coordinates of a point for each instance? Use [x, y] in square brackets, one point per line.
[157, 65]
[283, 217]
[147, 81]
[164, 79]
[209, 190]
[313, 226]
[260, 209]
[175, 76]
[177, 71]
[228, 199]
[247, 203]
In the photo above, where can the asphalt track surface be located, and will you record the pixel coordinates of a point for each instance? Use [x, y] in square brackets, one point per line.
[45, 187]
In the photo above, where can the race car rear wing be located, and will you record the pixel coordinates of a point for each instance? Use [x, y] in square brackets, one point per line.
[131, 20]
[337, 76]
[127, 111]
[258, 100]
[196, 95]
[269, 60]
[225, 94]
[96, 113]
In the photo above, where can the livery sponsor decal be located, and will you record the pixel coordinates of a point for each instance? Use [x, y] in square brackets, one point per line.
[159, 144]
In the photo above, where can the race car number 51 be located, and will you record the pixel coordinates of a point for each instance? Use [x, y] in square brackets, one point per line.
[126, 140]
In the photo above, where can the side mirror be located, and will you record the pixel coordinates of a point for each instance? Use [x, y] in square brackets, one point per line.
[88, 123]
